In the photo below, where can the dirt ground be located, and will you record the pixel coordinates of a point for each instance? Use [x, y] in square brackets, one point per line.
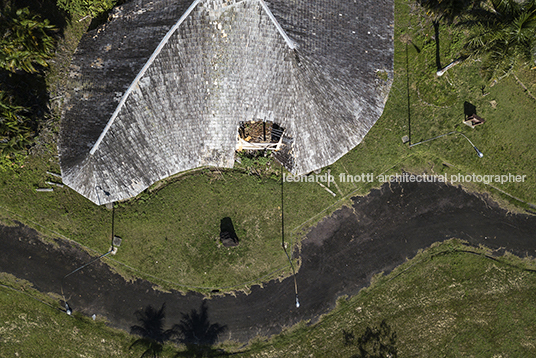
[339, 256]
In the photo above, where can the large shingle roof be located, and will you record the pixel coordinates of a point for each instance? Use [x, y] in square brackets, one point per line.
[162, 87]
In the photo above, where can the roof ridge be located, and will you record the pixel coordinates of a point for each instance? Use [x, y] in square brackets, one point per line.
[142, 72]
[161, 45]
[289, 42]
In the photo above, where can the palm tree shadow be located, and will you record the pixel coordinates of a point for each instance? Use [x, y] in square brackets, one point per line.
[151, 330]
[198, 334]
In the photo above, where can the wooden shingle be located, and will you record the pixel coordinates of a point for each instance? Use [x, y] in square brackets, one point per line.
[158, 107]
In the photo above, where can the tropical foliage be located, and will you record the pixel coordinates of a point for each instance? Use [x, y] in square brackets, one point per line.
[26, 44]
[504, 34]
[501, 33]
[445, 9]
[86, 7]
[15, 134]
[25, 41]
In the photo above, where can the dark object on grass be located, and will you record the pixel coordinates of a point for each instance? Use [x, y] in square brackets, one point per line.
[468, 109]
[228, 235]
[377, 342]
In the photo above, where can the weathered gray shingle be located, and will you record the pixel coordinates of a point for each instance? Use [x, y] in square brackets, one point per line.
[225, 63]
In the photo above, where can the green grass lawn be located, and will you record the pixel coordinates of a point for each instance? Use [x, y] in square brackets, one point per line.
[449, 301]
[170, 233]
[32, 325]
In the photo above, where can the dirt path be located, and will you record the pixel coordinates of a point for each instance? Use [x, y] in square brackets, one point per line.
[339, 257]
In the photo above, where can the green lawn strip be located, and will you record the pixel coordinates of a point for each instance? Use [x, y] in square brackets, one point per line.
[505, 138]
[175, 233]
[31, 325]
[450, 300]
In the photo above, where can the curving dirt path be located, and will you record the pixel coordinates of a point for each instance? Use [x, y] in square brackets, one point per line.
[339, 256]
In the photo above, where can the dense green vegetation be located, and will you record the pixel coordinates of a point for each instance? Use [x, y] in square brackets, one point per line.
[86, 7]
[26, 41]
[449, 304]
[26, 44]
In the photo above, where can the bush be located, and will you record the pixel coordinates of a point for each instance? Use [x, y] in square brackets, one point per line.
[83, 8]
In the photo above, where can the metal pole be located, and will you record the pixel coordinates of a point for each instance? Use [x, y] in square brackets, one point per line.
[67, 308]
[478, 152]
[283, 241]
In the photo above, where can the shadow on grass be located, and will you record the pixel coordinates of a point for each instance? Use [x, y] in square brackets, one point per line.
[468, 109]
[28, 90]
[228, 235]
[374, 343]
[194, 331]
[437, 55]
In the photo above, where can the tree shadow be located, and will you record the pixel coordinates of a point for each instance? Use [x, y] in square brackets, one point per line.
[228, 235]
[151, 330]
[437, 55]
[374, 343]
[348, 337]
[194, 331]
[198, 335]
[28, 90]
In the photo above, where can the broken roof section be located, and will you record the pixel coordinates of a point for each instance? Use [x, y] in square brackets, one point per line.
[153, 96]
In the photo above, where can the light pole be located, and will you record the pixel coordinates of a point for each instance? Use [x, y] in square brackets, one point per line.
[283, 242]
[68, 309]
[478, 152]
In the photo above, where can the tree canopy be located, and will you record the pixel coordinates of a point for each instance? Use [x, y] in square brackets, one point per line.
[86, 7]
[25, 41]
[503, 35]
[26, 44]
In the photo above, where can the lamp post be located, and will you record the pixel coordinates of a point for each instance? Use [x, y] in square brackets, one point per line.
[68, 309]
[283, 242]
[478, 152]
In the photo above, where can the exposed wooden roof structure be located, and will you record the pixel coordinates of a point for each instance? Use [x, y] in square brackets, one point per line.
[163, 86]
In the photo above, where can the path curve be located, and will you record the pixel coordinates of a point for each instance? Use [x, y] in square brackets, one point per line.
[339, 256]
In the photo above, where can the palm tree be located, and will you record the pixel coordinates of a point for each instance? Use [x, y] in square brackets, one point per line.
[25, 41]
[504, 35]
[151, 331]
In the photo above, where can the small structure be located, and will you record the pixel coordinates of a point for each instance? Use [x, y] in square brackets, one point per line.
[473, 120]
